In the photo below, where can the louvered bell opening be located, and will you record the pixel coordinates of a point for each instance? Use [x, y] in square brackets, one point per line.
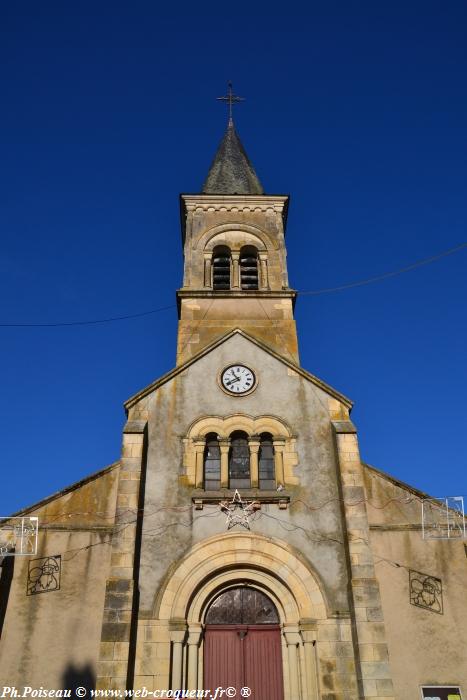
[249, 272]
[221, 272]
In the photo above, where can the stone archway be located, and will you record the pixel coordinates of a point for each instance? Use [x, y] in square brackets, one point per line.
[242, 643]
[270, 566]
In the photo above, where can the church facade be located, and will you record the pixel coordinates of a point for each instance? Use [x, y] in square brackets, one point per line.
[240, 541]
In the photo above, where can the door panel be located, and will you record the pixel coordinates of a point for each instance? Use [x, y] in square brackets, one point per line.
[244, 655]
[223, 662]
[263, 664]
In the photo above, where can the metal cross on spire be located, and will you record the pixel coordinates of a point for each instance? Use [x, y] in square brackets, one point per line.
[231, 99]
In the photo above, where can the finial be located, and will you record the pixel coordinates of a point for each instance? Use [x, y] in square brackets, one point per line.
[231, 99]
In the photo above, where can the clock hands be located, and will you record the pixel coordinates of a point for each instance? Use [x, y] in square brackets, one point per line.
[237, 379]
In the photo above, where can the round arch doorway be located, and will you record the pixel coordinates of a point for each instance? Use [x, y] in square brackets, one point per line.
[242, 644]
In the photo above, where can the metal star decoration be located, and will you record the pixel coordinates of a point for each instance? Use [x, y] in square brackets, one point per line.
[238, 511]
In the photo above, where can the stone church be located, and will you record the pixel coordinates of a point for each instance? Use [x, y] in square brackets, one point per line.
[239, 542]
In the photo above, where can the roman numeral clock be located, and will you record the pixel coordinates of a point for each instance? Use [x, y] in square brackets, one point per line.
[238, 380]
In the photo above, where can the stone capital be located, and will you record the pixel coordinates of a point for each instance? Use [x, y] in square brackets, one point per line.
[199, 443]
[292, 638]
[254, 443]
[224, 444]
[279, 443]
[195, 630]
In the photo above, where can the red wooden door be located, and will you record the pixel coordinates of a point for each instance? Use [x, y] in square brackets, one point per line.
[244, 656]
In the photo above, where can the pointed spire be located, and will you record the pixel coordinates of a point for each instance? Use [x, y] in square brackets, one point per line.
[231, 171]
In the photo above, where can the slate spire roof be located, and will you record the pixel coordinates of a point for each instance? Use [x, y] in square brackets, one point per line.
[231, 171]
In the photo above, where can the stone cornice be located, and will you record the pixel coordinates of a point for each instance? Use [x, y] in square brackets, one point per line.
[186, 293]
[278, 202]
[190, 203]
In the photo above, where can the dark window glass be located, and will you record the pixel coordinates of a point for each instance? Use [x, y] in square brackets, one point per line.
[242, 606]
[212, 463]
[249, 268]
[239, 461]
[266, 463]
[441, 692]
[221, 268]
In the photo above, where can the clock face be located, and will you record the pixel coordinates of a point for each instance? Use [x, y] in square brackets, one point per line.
[238, 379]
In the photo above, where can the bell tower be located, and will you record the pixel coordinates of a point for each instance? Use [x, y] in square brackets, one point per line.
[235, 270]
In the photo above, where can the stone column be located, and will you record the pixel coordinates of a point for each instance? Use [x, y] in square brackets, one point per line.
[235, 270]
[279, 447]
[177, 637]
[207, 270]
[199, 445]
[224, 446]
[194, 636]
[369, 636]
[311, 675]
[293, 640]
[119, 603]
[263, 261]
[253, 444]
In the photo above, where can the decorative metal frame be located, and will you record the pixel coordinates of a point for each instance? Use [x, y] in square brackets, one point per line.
[443, 518]
[18, 536]
[426, 591]
[44, 575]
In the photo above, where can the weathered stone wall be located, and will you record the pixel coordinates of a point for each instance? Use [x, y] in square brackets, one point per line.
[425, 647]
[52, 638]
[235, 221]
[313, 521]
[311, 524]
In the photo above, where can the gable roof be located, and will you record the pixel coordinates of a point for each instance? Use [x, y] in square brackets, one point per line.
[67, 489]
[397, 482]
[222, 339]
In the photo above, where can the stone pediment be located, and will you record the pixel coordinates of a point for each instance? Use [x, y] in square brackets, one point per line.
[223, 339]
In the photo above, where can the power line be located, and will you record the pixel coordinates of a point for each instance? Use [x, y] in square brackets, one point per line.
[386, 275]
[85, 323]
[313, 292]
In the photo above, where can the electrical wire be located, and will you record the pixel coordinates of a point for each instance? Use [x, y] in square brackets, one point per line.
[386, 275]
[285, 525]
[86, 323]
[313, 292]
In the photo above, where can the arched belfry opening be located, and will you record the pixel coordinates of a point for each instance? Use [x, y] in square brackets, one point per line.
[242, 643]
[221, 263]
[249, 267]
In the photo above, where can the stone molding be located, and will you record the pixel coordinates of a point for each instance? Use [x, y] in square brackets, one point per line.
[286, 456]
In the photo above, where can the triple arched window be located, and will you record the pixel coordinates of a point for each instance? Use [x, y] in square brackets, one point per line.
[235, 270]
[249, 462]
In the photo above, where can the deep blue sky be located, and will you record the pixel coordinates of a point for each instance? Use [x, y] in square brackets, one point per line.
[357, 109]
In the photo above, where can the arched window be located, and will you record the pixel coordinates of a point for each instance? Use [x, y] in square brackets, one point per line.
[267, 479]
[249, 268]
[242, 606]
[221, 267]
[212, 463]
[239, 461]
